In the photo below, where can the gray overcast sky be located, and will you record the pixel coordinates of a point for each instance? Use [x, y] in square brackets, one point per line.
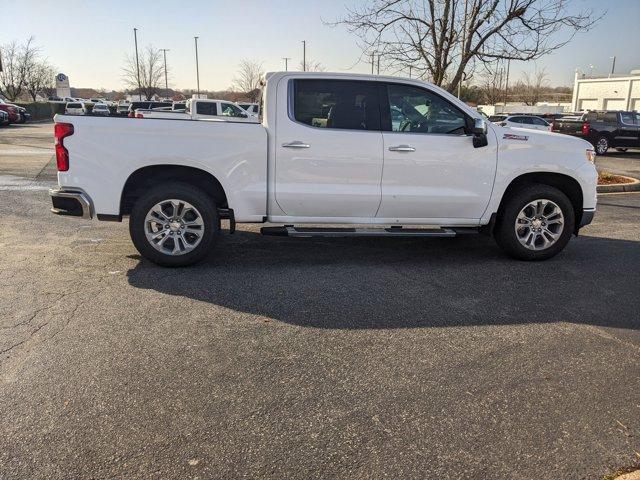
[88, 39]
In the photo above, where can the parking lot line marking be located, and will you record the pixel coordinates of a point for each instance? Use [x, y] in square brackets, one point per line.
[20, 153]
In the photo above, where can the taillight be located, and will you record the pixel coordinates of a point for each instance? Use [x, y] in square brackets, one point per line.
[130, 115]
[553, 126]
[61, 131]
[585, 128]
[139, 115]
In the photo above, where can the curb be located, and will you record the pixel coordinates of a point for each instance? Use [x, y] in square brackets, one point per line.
[633, 186]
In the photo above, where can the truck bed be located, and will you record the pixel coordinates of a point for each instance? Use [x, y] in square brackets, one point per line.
[104, 152]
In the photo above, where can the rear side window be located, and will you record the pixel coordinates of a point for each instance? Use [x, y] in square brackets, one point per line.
[340, 104]
[538, 121]
[206, 108]
[516, 119]
[627, 118]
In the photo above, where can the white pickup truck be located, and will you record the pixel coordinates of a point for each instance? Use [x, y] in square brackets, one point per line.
[202, 109]
[368, 155]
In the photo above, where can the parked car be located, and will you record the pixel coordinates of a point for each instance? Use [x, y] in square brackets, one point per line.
[604, 129]
[521, 121]
[100, 109]
[200, 109]
[251, 108]
[179, 106]
[75, 108]
[4, 118]
[12, 111]
[317, 158]
[133, 106]
[123, 108]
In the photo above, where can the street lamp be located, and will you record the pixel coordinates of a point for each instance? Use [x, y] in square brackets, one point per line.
[286, 63]
[166, 82]
[304, 55]
[197, 67]
[613, 65]
[135, 39]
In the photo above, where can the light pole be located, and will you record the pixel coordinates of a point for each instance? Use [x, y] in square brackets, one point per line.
[166, 82]
[135, 39]
[197, 67]
[304, 55]
[373, 60]
[286, 63]
[613, 65]
[506, 83]
[410, 67]
[379, 55]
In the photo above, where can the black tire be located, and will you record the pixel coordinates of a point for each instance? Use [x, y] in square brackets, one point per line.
[505, 231]
[180, 191]
[621, 149]
[602, 145]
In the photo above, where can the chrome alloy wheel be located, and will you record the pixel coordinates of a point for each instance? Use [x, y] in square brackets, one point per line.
[602, 146]
[174, 227]
[539, 224]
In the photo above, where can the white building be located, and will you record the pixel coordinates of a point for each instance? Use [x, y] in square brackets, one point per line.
[608, 93]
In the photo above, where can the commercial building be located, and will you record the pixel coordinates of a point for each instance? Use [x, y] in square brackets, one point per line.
[616, 92]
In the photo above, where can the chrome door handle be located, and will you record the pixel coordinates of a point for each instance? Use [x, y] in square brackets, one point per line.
[402, 148]
[296, 145]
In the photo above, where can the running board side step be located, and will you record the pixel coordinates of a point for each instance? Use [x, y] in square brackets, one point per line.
[291, 231]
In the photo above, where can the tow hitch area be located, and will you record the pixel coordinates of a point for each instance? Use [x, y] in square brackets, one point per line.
[291, 231]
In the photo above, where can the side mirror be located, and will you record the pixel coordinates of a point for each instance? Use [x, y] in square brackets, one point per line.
[479, 126]
[480, 133]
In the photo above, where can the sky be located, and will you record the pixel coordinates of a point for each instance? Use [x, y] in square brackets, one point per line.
[88, 39]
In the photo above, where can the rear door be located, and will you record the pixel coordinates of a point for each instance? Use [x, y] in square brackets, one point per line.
[329, 149]
[432, 172]
[627, 134]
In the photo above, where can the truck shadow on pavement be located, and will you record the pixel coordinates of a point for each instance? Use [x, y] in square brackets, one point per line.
[405, 283]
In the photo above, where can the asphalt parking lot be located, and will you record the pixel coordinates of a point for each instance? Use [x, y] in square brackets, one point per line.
[308, 358]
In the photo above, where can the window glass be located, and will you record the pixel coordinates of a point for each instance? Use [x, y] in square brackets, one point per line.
[497, 118]
[206, 108]
[417, 110]
[74, 105]
[516, 120]
[539, 121]
[627, 118]
[344, 104]
[230, 110]
[611, 117]
[637, 118]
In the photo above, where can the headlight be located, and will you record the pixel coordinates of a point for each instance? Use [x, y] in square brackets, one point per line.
[591, 155]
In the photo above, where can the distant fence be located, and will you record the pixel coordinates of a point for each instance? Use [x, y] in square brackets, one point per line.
[42, 111]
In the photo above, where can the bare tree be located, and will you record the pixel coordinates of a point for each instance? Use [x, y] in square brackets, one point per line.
[249, 76]
[151, 72]
[443, 39]
[17, 58]
[312, 66]
[40, 78]
[532, 87]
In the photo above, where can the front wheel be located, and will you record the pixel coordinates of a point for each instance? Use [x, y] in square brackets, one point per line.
[535, 223]
[602, 145]
[174, 224]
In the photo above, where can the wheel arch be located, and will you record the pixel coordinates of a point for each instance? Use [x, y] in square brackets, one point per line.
[147, 177]
[565, 183]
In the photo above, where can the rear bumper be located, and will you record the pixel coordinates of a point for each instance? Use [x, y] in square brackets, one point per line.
[71, 203]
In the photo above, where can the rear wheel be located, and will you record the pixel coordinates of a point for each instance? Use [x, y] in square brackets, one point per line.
[174, 224]
[602, 145]
[535, 223]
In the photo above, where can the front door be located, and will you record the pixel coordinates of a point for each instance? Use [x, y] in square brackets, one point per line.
[329, 150]
[432, 172]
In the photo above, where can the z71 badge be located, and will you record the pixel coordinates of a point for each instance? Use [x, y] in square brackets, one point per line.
[513, 136]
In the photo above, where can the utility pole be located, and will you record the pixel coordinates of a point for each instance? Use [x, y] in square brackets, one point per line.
[379, 55]
[304, 55]
[135, 39]
[613, 65]
[410, 67]
[506, 84]
[197, 67]
[373, 55]
[166, 81]
[286, 63]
